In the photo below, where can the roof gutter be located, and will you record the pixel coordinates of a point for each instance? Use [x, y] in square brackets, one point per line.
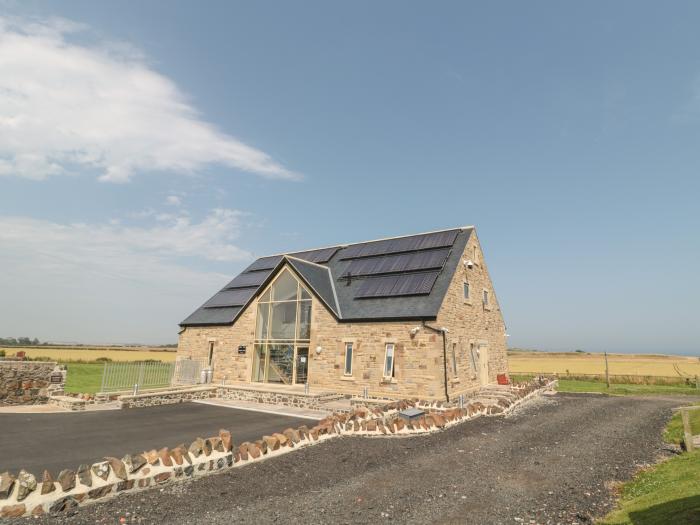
[442, 330]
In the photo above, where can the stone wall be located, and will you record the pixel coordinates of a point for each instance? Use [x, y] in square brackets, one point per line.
[25, 382]
[25, 495]
[259, 394]
[470, 322]
[167, 397]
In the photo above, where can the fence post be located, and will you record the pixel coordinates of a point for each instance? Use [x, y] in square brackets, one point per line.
[687, 434]
[607, 375]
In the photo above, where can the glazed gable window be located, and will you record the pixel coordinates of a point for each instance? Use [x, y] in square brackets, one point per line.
[389, 361]
[465, 290]
[348, 359]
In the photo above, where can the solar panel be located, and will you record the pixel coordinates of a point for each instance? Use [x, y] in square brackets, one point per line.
[405, 262]
[425, 241]
[264, 263]
[317, 256]
[234, 297]
[397, 285]
[246, 280]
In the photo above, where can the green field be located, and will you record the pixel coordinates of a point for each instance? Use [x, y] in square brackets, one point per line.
[84, 378]
[576, 385]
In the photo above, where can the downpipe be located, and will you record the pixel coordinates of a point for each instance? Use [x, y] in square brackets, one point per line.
[443, 331]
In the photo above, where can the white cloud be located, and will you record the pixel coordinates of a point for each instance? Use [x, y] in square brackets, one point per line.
[111, 282]
[173, 200]
[65, 105]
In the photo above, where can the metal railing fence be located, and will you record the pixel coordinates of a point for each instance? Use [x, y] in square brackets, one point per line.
[135, 376]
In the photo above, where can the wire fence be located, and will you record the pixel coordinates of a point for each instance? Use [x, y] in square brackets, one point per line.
[619, 378]
[136, 376]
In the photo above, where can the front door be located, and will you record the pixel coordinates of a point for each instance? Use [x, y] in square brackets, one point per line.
[483, 364]
[302, 365]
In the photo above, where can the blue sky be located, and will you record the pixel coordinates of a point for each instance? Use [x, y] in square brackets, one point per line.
[148, 154]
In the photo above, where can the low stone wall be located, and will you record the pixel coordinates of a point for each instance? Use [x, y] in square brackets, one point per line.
[24, 495]
[71, 403]
[26, 382]
[273, 397]
[167, 397]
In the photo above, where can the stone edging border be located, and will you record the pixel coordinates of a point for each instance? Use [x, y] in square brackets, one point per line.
[24, 495]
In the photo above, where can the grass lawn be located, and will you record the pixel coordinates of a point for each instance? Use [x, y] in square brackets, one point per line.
[577, 385]
[667, 493]
[84, 378]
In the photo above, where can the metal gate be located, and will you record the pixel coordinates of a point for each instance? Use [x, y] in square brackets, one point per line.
[135, 376]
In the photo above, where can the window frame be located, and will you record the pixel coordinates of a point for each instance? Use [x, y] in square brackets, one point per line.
[455, 372]
[392, 373]
[485, 298]
[349, 346]
[466, 285]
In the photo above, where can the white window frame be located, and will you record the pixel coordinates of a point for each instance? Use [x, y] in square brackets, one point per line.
[211, 347]
[392, 372]
[349, 347]
[454, 360]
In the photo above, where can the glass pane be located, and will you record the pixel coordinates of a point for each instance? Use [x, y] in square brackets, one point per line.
[265, 297]
[304, 320]
[304, 293]
[285, 287]
[348, 359]
[259, 363]
[389, 363]
[302, 364]
[466, 290]
[262, 322]
[284, 318]
[281, 363]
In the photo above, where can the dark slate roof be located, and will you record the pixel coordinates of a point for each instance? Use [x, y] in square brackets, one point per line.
[389, 279]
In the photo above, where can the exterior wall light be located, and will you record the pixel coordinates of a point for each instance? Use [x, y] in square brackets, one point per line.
[318, 349]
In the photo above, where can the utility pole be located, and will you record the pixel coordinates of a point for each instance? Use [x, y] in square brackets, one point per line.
[607, 374]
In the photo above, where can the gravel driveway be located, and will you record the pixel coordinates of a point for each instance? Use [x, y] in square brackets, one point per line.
[550, 462]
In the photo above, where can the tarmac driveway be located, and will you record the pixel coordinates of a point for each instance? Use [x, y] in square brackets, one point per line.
[36, 442]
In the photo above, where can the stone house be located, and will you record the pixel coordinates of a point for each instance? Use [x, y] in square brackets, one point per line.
[412, 316]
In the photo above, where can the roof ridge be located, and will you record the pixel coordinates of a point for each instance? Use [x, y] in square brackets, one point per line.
[339, 246]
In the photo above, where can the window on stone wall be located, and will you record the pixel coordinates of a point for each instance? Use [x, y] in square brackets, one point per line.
[486, 298]
[282, 332]
[348, 359]
[465, 290]
[454, 359]
[389, 364]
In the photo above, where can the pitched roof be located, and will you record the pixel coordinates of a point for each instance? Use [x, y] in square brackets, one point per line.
[387, 279]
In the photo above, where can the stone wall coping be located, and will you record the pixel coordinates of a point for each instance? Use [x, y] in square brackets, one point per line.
[26, 363]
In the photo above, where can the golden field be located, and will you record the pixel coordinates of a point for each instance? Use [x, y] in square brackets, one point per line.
[593, 363]
[66, 353]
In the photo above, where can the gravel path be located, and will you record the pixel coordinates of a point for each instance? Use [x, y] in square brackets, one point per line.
[551, 461]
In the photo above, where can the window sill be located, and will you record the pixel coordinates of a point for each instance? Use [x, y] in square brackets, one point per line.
[388, 381]
[347, 378]
[456, 380]
[468, 301]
